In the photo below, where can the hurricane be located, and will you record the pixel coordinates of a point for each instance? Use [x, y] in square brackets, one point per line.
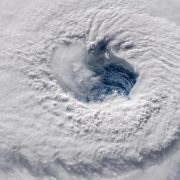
[89, 90]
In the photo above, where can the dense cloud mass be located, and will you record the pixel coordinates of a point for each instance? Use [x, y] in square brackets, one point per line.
[89, 90]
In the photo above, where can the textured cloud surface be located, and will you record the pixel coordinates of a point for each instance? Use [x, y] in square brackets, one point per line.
[89, 90]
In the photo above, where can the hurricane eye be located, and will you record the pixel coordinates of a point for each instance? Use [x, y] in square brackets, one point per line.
[90, 75]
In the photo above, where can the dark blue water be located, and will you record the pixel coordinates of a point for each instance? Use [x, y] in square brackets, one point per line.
[114, 73]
